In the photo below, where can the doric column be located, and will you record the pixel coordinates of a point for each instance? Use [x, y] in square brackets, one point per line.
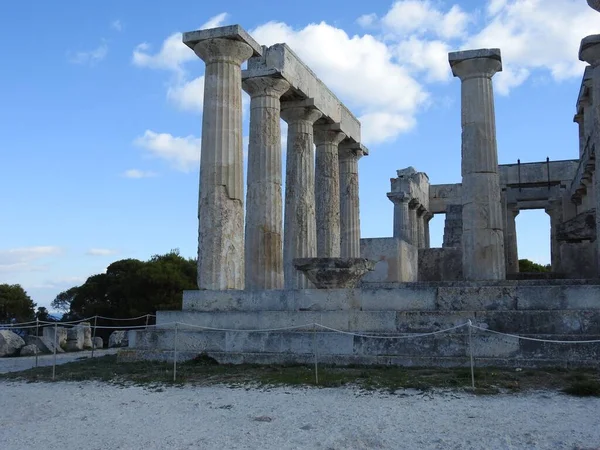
[589, 51]
[221, 203]
[402, 228]
[579, 120]
[483, 239]
[510, 239]
[327, 191]
[427, 218]
[421, 227]
[413, 205]
[264, 250]
[553, 210]
[300, 228]
[348, 156]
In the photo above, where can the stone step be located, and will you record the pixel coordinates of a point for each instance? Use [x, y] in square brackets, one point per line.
[515, 322]
[347, 360]
[405, 297]
[291, 344]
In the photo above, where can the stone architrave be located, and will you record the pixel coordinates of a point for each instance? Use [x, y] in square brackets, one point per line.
[589, 51]
[483, 237]
[221, 202]
[300, 228]
[327, 191]
[264, 221]
[401, 215]
[349, 202]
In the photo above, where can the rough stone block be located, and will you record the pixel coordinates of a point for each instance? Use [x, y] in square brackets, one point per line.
[477, 298]
[396, 260]
[10, 343]
[44, 343]
[440, 264]
[578, 260]
[98, 342]
[29, 350]
[558, 297]
[48, 332]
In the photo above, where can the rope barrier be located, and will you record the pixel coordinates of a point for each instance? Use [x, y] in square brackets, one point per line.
[406, 336]
[595, 341]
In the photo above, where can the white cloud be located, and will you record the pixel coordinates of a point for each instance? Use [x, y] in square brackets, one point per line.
[429, 57]
[116, 25]
[101, 252]
[359, 69]
[91, 57]
[188, 95]
[367, 20]
[183, 153]
[25, 258]
[171, 56]
[137, 173]
[215, 21]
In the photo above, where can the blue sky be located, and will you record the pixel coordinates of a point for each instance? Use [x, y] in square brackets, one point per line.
[100, 106]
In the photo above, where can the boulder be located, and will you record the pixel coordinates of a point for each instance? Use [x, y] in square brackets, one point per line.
[98, 342]
[75, 338]
[118, 338]
[44, 344]
[10, 343]
[87, 334]
[48, 332]
[29, 350]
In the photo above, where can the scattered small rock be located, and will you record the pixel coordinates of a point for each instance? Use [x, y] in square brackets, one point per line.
[263, 419]
[306, 427]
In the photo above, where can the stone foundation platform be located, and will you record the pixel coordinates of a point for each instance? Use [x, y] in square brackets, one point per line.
[548, 310]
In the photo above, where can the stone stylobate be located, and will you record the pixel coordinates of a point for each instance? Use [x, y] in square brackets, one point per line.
[221, 203]
[483, 238]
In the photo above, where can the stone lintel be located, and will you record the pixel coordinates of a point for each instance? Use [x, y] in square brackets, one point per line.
[460, 56]
[306, 103]
[589, 50]
[234, 32]
[355, 147]
[279, 58]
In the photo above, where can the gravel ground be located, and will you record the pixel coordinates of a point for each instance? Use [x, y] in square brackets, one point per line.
[101, 416]
[17, 364]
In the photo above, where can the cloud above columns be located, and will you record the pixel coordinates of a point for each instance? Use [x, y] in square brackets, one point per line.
[182, 153]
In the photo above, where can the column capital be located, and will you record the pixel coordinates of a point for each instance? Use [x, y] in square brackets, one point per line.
[353, 150]
[295, 113]
[589, 49]
[223, 50]
[428, 216]
[325, 134]
[414, 203]
[578, 118]
[265, 86]
[479, 63]
[399, 197]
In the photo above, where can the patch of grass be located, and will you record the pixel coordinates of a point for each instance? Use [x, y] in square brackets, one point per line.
[204, 370]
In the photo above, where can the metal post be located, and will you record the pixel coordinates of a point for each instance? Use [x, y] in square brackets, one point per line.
[55, 345]
[471, 352]
[94, 335]
[37, 336]
[175, 353]
[315, 352]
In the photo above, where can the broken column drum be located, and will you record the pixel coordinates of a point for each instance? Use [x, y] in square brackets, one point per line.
[264, 221]
[483, 238]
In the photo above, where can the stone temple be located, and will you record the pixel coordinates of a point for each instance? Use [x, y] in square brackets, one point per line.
[292, 256]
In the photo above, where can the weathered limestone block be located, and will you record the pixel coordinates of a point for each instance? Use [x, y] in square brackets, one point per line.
[440, 264]
[48, 332]
[98, 342]
[44, 343]
[10, 343]
[453, 227]
[264, 222]
[396, 260]
[87, 334]
[220, 206]
[118, 338]
[580, 228]
[29, 350]
[334, 273]
[78, 338]
[300, 227]
[327, 191]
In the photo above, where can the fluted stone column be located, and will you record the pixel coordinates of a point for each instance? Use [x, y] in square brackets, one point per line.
[221, 203]
[264, 250]
[421, 227]
[483, 237]
[300, 228]
[589, 51]
[401, 215]
[413, 205]
[427, 217]
[510, 239]
[327, 191]
[348, 157]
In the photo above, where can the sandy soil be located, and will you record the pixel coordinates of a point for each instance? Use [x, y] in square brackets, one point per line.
[101, 416]
[16, 364]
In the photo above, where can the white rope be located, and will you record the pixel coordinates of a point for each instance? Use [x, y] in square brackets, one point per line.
[406, 336]
[130, 318]
[536, 339]
[292, 327]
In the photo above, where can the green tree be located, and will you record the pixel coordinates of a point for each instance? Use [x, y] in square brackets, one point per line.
[526, 265]
[15, 304]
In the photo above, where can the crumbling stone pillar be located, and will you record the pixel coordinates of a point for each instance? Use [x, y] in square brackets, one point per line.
[264, 250]
[453, 227]
[327, 191]
[349, 202]
[483, 238]
[589, 51]
[401, 215]
[221, 204]
[554, 211]
[427, 218]
[413, 205]
[300, 228]
[420, 227]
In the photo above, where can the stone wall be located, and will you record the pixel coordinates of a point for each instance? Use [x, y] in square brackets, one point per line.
[440, 264]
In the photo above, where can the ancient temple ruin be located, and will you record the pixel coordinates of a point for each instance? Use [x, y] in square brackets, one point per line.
[253, 304]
